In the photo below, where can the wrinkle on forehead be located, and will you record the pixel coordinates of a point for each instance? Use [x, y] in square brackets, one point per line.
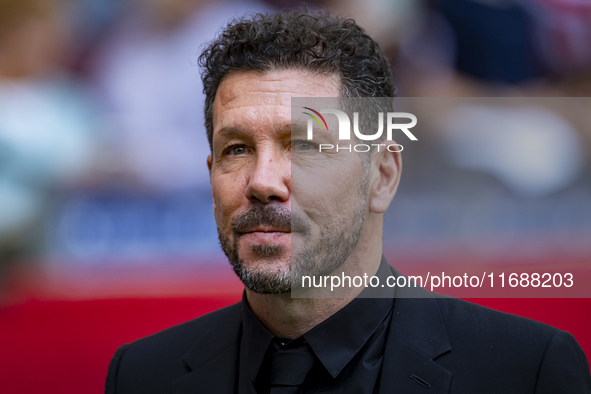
[277, 85]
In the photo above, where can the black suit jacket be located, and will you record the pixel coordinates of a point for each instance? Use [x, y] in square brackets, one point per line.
[435, 345]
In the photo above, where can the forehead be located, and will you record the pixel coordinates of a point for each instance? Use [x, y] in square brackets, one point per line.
[254, 95]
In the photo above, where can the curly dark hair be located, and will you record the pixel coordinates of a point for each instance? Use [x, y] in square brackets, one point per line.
[302, 39]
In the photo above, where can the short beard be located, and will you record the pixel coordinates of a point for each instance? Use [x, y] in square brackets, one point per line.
[336, 241]
[257, 280]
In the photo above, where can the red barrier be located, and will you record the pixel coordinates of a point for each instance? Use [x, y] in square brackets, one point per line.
[65, 346]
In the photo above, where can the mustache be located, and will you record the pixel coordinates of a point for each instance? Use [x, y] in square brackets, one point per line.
[271, 215]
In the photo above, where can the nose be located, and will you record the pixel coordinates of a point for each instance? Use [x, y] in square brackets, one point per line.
[270, 178]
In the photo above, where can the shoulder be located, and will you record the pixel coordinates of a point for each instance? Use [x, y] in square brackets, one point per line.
[466, 322]
[538, 356]
[467, 325]
[217, 324]
[463, 318]
[150, 364]
[486, 350]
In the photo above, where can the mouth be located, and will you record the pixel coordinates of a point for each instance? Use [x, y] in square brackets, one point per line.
[266, 235]
[265, 230]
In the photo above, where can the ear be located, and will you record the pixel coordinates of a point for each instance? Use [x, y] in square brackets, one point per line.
[209, 163]
[388, 166]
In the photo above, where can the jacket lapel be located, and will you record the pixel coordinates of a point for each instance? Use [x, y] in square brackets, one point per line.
[213, 360]
[417, 337]
[215, 376]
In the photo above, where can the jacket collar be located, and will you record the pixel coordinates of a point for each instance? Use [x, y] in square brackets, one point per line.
[416, 339]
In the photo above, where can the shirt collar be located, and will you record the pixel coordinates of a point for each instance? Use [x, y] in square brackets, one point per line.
[339, 338]
[336, 340]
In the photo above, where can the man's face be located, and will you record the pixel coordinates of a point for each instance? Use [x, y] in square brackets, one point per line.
[273, 228]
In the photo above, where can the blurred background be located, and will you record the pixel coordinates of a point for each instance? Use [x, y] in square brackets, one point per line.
[106, 225]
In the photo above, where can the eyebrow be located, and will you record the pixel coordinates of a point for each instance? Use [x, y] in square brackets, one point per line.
[232, 131]
[298, 130]
[229, 132]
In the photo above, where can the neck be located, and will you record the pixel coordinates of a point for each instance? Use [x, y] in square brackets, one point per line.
[289, 317]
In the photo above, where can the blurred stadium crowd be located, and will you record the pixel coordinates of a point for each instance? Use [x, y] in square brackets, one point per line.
[102, 148]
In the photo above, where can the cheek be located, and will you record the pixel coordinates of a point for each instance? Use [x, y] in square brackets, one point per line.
[228, 195]
[327, 194]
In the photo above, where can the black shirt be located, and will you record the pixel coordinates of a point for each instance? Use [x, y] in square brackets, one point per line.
[348, 347]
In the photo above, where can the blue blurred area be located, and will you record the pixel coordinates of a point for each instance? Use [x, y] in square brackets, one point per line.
[113, 228]
[102, 145]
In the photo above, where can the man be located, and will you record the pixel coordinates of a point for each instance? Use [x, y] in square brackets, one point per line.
[274, 236]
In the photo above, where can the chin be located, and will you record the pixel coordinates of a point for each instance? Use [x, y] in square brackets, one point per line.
[267, 266]
[265, 280]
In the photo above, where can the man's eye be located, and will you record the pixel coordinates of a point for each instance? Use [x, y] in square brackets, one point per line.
[236, 150]
[303, 145]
